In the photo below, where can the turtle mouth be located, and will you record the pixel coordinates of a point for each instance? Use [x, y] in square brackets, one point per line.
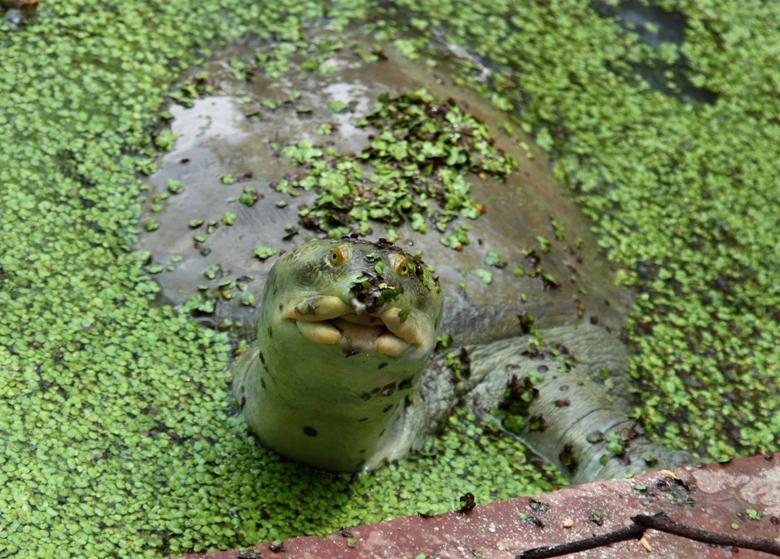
[328, 320]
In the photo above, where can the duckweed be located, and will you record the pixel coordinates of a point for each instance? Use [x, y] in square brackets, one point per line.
[678, 176]
[119, 437]
[418, 166]
[263, 252]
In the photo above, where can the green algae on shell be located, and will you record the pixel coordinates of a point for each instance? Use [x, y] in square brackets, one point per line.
[418, 161]
[516, 206]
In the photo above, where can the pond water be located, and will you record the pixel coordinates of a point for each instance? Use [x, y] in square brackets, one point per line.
[119, 436]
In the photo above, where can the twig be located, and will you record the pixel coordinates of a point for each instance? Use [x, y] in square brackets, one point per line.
[662, 523]
[632, 532]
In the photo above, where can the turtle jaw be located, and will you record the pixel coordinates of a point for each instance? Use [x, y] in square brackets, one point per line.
[328, 320]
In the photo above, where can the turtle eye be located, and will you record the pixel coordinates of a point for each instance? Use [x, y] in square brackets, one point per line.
[402, 266]
[338, 255]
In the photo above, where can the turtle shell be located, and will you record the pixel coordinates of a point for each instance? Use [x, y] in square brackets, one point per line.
[218, 211]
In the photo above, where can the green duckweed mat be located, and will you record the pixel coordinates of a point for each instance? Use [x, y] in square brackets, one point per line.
[116, 436]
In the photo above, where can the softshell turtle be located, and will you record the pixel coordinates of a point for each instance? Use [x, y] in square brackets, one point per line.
[531, 311]
[345, 329]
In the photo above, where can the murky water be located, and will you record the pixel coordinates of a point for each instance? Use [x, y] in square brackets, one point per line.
[656, 26]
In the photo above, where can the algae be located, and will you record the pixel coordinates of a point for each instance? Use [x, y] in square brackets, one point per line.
[417, 174]
[117, 430]
[680, 187]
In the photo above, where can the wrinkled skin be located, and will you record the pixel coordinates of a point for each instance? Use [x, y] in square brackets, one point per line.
[345, 329]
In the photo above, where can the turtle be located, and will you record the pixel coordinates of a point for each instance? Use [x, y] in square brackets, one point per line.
[345, 330]
[507, 304]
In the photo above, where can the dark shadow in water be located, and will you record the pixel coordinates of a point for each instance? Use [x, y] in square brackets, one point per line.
[666, 27]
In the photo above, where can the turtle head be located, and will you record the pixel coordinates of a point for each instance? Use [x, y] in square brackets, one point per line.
[362, 296]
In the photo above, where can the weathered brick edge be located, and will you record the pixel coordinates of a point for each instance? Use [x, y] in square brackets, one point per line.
[712, 497]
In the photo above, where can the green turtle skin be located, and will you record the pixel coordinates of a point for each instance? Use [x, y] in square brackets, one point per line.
[338, 405]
